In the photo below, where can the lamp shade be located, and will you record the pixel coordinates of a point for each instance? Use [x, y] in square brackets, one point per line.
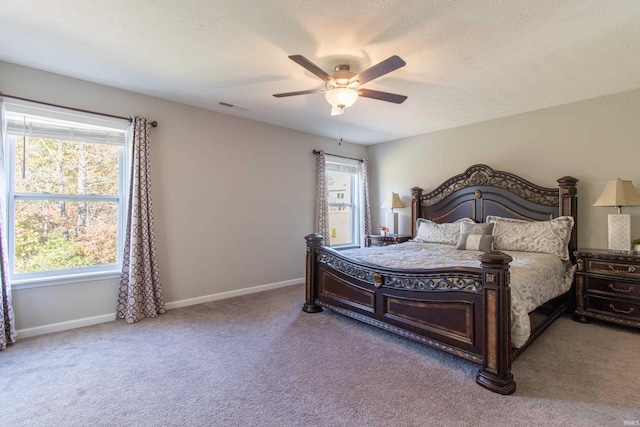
[618, 193]
[393, 201]
[341, 97]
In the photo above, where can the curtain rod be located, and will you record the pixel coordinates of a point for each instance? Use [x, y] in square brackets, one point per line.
[337, 155]
[153, 123]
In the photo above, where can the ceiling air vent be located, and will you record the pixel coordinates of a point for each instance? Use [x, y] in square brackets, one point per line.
[235, 107]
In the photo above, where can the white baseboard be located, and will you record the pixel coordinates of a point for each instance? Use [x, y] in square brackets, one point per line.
[64, 326]
[231, 294]
[88, 321]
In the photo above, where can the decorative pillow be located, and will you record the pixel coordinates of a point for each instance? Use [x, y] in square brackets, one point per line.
[475, 242]
[432, 232]
[475, 228]
[550, 237]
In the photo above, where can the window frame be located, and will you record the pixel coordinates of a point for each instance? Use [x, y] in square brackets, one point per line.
[71, 275]
[354, 201]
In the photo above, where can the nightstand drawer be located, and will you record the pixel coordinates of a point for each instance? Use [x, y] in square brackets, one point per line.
[378, 240]
[382, 240]
[613, 268]
[608, 286]
[613, 307]
[613, 286]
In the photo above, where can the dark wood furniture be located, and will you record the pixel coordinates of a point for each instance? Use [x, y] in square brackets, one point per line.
[378, 240]
[460, 310]
[608, 287]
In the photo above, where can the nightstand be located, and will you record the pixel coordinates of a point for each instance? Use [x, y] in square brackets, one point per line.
[378, 240]
[608, 286]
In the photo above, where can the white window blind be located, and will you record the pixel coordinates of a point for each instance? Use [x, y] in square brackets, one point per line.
[25, 118]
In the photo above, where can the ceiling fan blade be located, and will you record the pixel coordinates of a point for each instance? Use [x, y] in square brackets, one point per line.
[336, 111]
[302, 92]
[388, 65]
[382, 96]
[310, 66]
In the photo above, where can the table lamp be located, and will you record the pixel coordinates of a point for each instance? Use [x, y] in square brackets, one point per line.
[393, 201]
[619, 193]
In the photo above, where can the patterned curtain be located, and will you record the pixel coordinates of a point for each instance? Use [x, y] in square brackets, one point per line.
[365, 212]
[322, 202]
[140, 294]
[7, 320]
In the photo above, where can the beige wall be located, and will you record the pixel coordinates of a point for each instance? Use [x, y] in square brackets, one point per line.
[219, 228]
[233, 198]
[595, 141]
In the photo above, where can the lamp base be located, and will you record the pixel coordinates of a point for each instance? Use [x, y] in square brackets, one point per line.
[392, 223]
[620, 232]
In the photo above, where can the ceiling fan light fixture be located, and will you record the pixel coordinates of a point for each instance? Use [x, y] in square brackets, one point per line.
[343, 85]
[342, 97]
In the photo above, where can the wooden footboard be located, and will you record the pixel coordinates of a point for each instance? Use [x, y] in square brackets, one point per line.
[463, 311]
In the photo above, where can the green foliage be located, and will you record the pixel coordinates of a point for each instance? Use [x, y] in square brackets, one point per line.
[57, 253]
[55, 234]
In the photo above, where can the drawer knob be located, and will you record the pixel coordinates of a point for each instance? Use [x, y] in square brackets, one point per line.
[612, 307]
[626, 291]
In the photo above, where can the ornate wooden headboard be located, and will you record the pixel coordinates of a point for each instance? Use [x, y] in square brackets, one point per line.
[481, 191]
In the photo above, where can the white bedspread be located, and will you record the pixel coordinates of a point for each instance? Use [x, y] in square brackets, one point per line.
[535, 277]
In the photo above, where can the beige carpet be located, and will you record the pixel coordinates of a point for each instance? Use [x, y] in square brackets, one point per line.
[257, 360]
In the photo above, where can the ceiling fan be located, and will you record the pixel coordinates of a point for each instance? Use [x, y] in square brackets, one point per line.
[344, 86]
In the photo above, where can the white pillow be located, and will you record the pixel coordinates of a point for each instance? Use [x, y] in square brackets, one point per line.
[551, 237]
[432, 232]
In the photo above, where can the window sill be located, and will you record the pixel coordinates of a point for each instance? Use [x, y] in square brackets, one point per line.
[64, 280]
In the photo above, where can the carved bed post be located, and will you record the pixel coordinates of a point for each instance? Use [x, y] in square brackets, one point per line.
[495, 374]
[569, 207]
[416, 192]
[313, 241]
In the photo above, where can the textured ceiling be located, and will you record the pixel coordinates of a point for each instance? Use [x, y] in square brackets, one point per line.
[467, 61]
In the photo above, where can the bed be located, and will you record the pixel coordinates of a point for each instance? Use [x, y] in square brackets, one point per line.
[460, 307]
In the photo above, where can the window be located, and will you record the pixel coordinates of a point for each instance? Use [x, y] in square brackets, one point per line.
[343, 183]
[65, 191]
